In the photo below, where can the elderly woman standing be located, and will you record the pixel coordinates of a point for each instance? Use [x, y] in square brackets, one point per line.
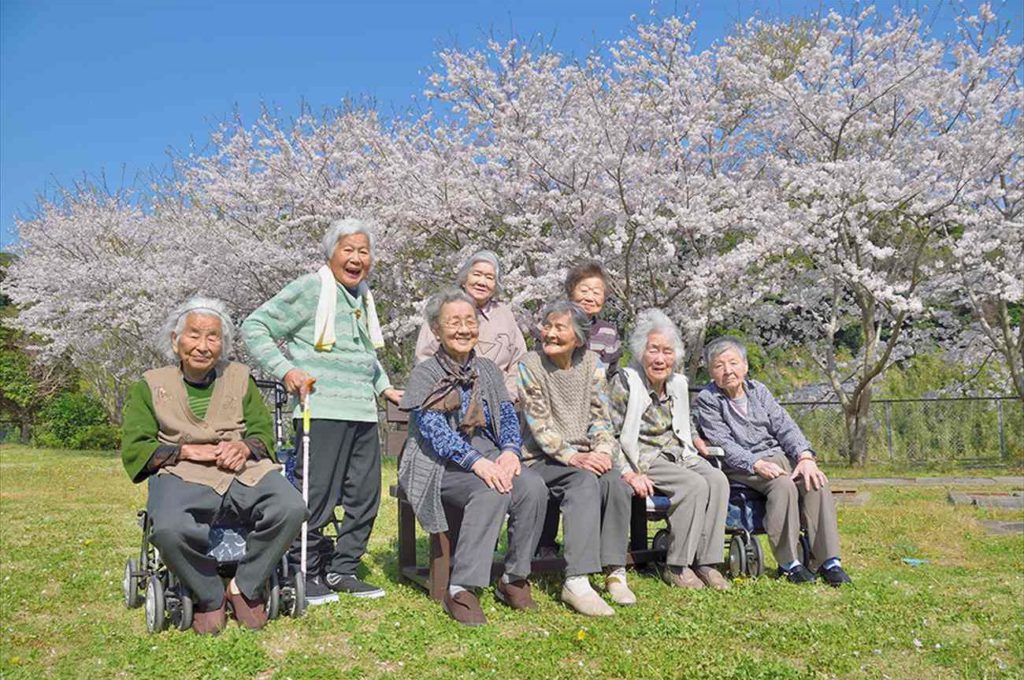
[464, 450]
[569, 442]
[328, 324]
[765, 450]
[587, 285]
[199, 431]
[501, 341]
[650, 406]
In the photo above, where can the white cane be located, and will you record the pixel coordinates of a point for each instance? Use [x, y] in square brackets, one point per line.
[305, 472]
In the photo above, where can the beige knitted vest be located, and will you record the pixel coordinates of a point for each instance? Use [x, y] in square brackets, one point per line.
[224, 421]
[568, 397]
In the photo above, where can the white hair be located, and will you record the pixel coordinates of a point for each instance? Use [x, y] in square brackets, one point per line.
[488, 256]
[346, 227]
[203, 306]
[723, 344]
[655, 321]
[432, 311]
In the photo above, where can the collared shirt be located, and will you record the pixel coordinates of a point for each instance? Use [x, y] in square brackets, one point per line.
[656, 435]
[764, 431]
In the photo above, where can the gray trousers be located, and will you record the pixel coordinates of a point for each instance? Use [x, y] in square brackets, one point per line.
[483, 511]
[181, 513]
[788, 506]
[699, 496]
[344, 469]
[595, 515]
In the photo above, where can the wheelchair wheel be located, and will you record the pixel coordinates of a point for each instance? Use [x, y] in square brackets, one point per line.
[130, 585]
[273, 597]
[737, 557]
[183, 616]
[755, 558]
[660, 541]
[298, 604]
[156, 619]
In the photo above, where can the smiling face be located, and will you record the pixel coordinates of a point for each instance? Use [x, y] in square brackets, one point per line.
[589, 294]
[199, 345]
[351, 260]
[457, 329]
[481, 282]
[728, 370]
[559, 337]
[658, 359]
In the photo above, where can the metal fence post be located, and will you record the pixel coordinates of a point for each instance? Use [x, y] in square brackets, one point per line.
[1002, 431]
[888, 427]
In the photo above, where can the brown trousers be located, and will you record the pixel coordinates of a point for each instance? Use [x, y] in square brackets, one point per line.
[788, 506]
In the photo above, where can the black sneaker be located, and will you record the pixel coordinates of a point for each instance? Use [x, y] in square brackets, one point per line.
[317, 591]
[350, 585]
[798, 574]
[835, 576]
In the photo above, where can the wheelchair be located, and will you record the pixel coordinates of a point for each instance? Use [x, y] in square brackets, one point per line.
[147, 580]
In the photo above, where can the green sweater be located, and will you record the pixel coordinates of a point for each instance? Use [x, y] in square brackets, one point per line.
[140, 427]
[348, 377]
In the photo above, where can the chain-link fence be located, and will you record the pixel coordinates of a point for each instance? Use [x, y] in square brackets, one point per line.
[967, 431]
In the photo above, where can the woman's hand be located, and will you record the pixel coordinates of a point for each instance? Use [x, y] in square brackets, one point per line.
[231, 456]
[393, 395]
[598, 463]
[298, 382]
[642, 485]
[767, 469]
[200, 453]
[492, 475]
[813, 477]
[510, 463]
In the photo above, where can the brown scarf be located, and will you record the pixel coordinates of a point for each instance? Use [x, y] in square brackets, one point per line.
[446, 394]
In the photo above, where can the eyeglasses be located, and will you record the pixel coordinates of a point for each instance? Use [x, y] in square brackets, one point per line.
[468, 324]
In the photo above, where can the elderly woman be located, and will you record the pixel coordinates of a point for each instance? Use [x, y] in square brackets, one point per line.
[199, 431]
[765, 450]
[587, 285]
[501, 341]
[463, 451]
[650, 406]
[569, 442]
[328, 325]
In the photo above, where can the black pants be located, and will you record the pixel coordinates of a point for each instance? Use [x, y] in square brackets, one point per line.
[344, 469]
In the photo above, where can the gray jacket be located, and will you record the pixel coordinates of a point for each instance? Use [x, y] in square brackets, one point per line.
[765, 431]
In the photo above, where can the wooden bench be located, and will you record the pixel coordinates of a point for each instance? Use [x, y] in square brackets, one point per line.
[433, 576]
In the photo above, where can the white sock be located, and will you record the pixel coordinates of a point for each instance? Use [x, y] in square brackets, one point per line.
[619, 573]
[578, 585]
[454, 590]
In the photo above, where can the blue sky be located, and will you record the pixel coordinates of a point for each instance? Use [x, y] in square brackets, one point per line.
[91, 88]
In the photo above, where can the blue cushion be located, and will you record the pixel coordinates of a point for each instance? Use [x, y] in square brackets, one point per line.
[227, 543]
[746, 509]
[658, 503]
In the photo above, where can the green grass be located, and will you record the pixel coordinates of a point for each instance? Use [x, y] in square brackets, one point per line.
[67, 524]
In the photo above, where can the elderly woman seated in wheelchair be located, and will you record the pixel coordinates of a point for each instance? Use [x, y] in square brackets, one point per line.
[650, 407]
[766, 451]
[463, 455]
[199, 432]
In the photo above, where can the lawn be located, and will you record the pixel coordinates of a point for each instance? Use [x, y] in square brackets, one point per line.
[67, 524]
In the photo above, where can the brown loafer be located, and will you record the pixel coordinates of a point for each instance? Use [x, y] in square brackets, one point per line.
[711, 577]
[249, 613]
[211, 622]
[464, 608]
[682, 578]
[515, 594]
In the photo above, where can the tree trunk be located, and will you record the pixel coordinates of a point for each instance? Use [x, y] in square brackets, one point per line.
[25, 430]
[858, 427]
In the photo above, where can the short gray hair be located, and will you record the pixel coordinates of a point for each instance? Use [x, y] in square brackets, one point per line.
[203, 306]
[579, 318]
[346, 227]
[655, 321]
[437, 301]
[488, 256]
[723, 344]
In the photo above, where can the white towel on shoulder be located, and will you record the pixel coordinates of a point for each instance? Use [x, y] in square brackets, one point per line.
[326, 313]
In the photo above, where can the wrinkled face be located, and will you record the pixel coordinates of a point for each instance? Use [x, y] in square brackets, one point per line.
[558, 335]
[659, 358]
[589, 294]
[457, 328]
[351, 260]
[728, 370]
[200, 343]
[481, 282]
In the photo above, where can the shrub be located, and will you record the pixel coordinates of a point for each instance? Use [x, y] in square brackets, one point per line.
[76, 421]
